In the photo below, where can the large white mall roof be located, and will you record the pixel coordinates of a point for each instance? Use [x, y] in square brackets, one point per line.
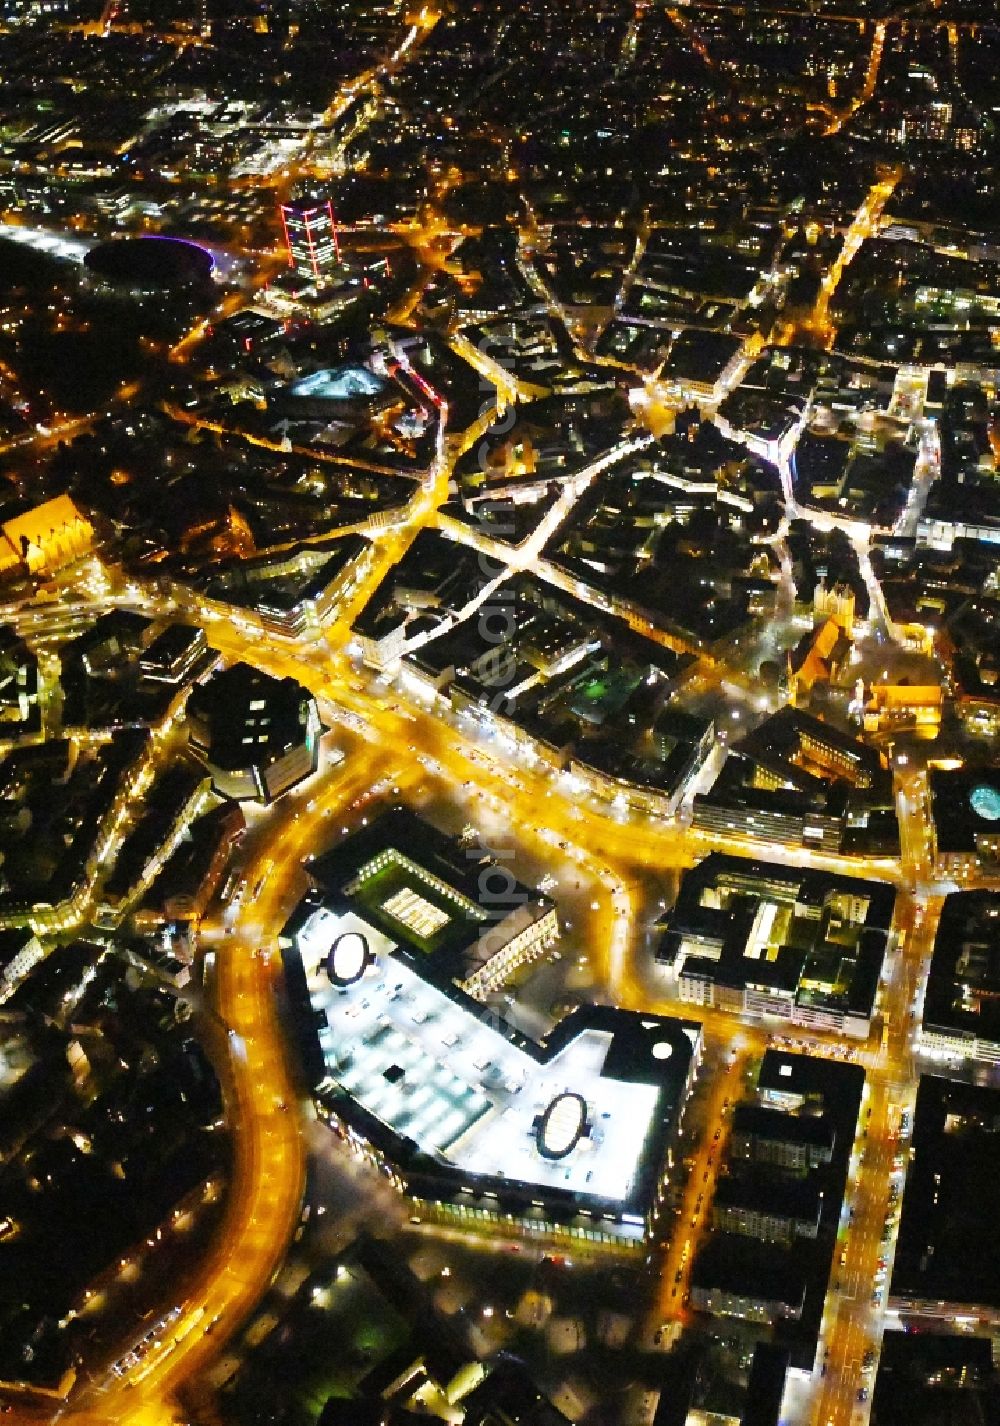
[439, 1071]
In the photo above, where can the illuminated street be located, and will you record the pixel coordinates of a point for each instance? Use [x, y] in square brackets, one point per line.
[499, 684]
[610, 854]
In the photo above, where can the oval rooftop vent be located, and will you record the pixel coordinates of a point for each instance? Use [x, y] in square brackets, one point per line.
[562, 1126]
[348, 958]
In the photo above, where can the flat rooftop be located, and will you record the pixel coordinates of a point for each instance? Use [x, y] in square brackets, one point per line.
[424, 890]
[963, 985]
[819, 936]
[452, 1081]
[948, 1250]
[965, 805]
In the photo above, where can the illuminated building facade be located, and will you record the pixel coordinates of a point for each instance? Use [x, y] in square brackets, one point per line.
[450, 902]
[965, 819]
[836, 603]
[805, 947]
[477, 1124]
[961, 1015]
[311, 237]
[258, 735]
[46, 538]
[797, 780]
[20, 952]
[904, 706]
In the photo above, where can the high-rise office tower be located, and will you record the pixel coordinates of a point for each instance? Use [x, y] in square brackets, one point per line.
[311, 236]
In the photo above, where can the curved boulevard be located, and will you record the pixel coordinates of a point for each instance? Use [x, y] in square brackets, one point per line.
[396, 745]
[390, 737]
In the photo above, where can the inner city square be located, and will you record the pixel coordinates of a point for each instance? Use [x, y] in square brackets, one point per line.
[499, 670]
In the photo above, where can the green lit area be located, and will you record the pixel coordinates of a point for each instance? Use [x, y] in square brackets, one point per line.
[403, 904]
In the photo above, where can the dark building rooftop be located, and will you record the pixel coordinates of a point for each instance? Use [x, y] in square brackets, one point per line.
[781, 1197]
[775, 1126]
[757, 1271]
[948, 1249]
[245, 720]
[965, 805]
[933, 1379]
[766, 1386]
[962, 999]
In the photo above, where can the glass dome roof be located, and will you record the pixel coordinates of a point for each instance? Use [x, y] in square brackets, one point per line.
[985, 802]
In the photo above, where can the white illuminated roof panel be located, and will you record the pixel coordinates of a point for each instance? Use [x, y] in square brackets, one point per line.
[436, 1072]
